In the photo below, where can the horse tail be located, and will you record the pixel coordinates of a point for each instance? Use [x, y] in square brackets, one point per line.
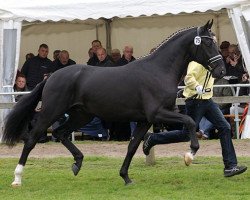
[17, 120]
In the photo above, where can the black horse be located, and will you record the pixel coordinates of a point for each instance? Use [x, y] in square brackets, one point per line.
[143, 91]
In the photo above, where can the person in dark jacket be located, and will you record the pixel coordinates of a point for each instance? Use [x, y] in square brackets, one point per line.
[34, 69]
[62, 61]
[115, 55]
[123, 131]
[236, 65]
[96, 44]
[103, 59]
[56, 54]
[127, 56]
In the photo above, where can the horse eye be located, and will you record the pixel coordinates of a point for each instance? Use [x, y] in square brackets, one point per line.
[208, 42]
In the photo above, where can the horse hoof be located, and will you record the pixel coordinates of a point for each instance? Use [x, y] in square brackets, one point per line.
[188, 158]
[75, 169]
[129, 183]
[15, 184]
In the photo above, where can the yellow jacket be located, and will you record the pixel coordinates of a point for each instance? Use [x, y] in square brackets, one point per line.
[196, 75]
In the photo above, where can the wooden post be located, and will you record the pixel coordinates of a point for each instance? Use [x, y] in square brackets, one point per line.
[150, 159]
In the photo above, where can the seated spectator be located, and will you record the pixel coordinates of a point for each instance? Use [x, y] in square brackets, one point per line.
[103, 58]
[123, 131]
[96, 129]
[224, 50]
[116, 55]
[29, 55]
[235, 69]
[206, 126]
[56, 54]
[20, 85]
[62, 61]
[96, 44]
[91, 53]
[127, 56]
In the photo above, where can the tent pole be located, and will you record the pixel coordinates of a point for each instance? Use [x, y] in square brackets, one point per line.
[217, 31]
[108, 35]
[96, 32]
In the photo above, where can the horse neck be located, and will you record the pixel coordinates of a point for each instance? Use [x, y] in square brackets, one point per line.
[173, 56]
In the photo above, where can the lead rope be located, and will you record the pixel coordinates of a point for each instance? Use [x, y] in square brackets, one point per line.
[208, 76]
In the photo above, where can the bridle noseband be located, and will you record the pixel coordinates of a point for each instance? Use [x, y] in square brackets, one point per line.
[197, 42]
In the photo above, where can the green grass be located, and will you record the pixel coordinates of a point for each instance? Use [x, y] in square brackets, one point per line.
[99, 179]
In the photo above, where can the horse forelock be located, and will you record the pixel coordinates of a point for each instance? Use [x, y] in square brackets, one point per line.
[167, 40]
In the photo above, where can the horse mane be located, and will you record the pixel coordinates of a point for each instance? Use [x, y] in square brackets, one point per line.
[167, 39]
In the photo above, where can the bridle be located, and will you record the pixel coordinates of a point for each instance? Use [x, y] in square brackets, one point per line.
[197, 42]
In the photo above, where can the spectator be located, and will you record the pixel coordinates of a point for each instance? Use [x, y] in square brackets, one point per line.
[123, 130]
[235, 69]
[96, 129]
[116, 55]
[62, 61]
[205, 126]
[91, 53]
[103, 58]
[37, 67]
[56, 54]
[28, 56]
[96, 44]
[127, 56]
[20, 85]
[199, 104]
[224, 49]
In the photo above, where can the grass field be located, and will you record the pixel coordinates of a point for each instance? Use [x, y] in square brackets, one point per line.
[98, 179]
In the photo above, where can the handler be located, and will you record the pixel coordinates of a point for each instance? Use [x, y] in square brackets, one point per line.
[199, 91]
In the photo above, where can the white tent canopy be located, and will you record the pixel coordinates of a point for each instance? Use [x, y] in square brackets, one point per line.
[13, 13]
[69, 10]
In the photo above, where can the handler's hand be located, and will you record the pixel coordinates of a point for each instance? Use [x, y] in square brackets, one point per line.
[199, 89]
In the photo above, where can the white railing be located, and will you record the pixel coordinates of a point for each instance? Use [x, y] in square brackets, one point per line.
[235, 100]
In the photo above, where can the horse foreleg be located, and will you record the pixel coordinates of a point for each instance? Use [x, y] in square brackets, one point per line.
[134, 143]
[166, 116]
[63, 134]
[77, 154]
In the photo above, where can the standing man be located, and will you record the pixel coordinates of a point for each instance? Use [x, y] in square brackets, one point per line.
[62, 61]
[199, 103]
[36, 68]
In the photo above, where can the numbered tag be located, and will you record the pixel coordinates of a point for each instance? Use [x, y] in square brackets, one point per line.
[197, 40]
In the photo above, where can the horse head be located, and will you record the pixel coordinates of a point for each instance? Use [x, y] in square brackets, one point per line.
[205, 51]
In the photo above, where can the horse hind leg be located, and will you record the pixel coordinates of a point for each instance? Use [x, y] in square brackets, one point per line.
[29, 144]
[73, 122]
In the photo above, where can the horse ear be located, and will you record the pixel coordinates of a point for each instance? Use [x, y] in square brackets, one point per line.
[210, 24]
[207, 25]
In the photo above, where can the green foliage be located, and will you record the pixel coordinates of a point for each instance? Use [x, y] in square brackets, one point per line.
[99, 179]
